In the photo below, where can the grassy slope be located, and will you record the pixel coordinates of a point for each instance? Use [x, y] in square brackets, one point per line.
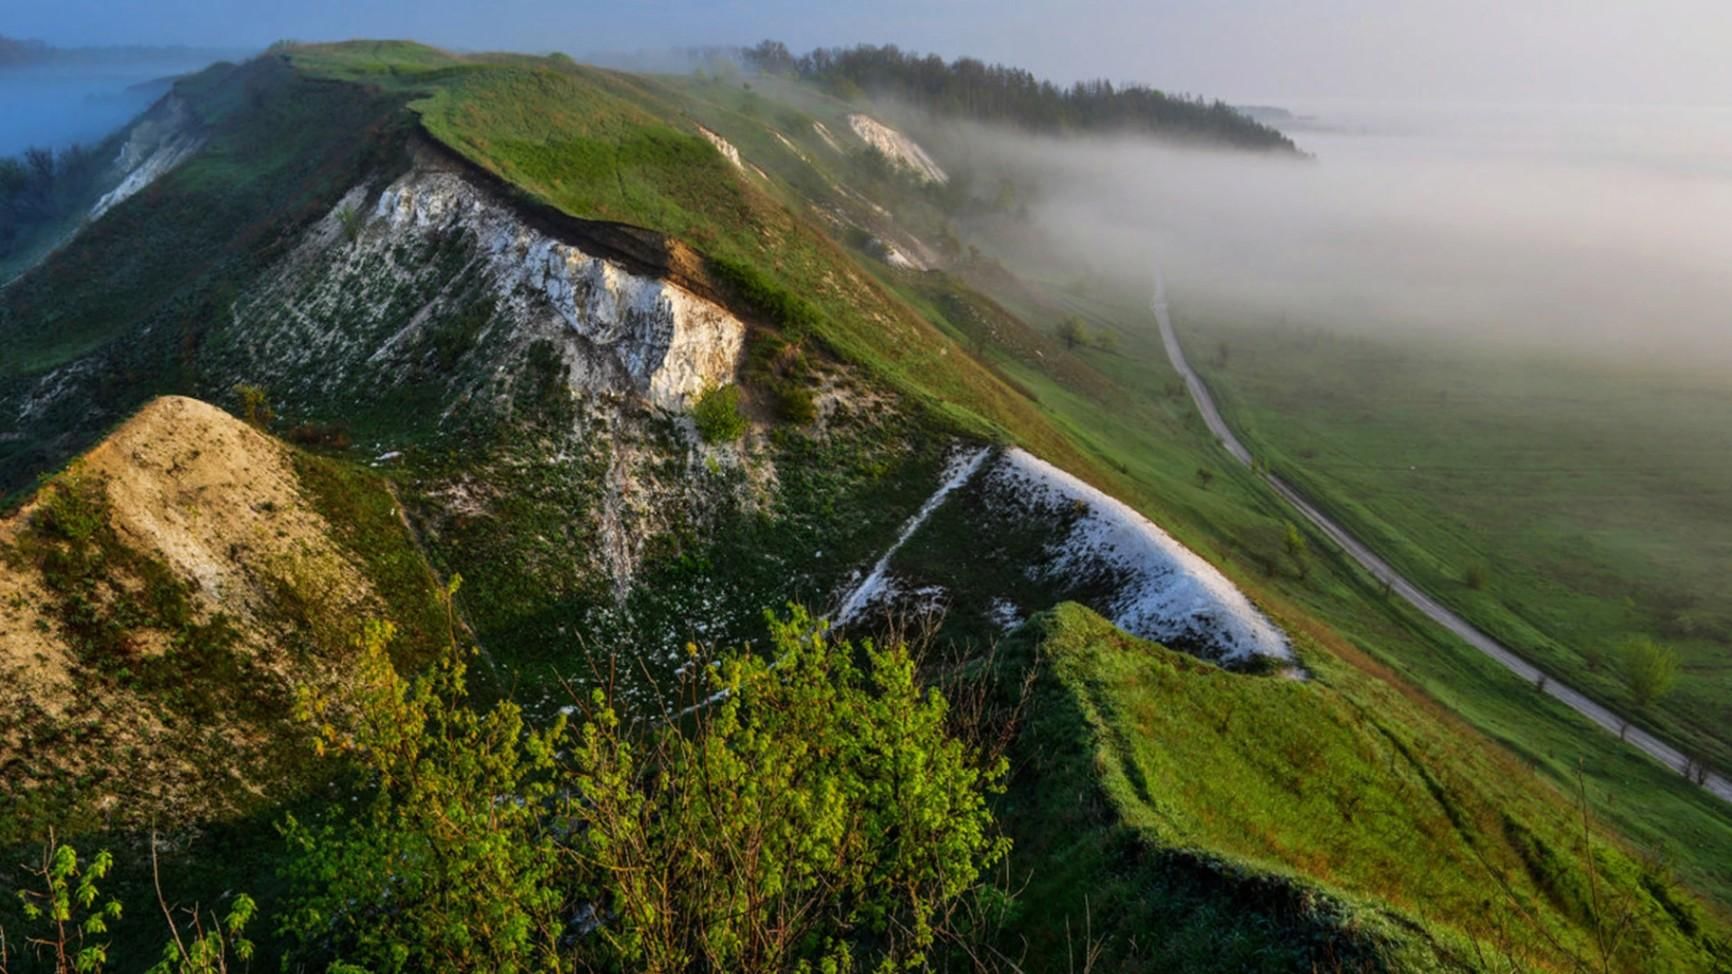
[1129, 413]
[280, 149]
[601, 145]
[1346, 789]
[1595, 499]
[1132, 428]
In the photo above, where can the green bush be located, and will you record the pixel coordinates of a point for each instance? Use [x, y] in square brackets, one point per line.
[717, 414]
[810, 811]
[793, 314]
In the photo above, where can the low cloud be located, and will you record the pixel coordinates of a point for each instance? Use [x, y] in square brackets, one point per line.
[1600, 233]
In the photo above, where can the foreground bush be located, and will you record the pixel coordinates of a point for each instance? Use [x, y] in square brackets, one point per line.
[808, 812]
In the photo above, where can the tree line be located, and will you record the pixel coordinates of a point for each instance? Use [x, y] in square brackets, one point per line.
[972, 88]
[40, 187]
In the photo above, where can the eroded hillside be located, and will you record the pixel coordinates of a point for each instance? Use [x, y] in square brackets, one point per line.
[166, 596]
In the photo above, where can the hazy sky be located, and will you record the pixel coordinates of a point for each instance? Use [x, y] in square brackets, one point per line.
[1533, 51]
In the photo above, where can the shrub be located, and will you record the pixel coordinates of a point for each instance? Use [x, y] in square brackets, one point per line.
[794, 403]
[717, 414]
[810, 811]
[255, 405]
[1648, 670]
[1476, 577]
[329, 436]
[1073, 332]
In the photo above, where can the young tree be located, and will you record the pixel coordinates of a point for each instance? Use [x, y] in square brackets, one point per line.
[255, 405]
[1294, 543]
[1073, 332]
[451, 864]
[63, 898]
[816, 816]
[1648, 669]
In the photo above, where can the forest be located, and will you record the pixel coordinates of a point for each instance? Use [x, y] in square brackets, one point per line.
[970, 88]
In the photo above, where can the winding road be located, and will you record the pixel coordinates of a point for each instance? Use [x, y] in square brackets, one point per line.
[1659, 750]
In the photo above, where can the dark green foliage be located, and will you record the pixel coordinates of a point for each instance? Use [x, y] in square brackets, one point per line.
[968, 88]
[717, 415]
[795, 316]
[42, 192]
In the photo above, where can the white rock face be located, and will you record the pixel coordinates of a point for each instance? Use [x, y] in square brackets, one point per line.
[901, 150]
[726, 148]
[1169, 593]
[824, 133]
[154, 146]
[671, 343]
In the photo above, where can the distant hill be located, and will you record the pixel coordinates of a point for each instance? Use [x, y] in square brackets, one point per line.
[18, 52]
[970, 88]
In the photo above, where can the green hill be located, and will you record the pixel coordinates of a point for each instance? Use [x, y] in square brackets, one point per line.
[639, 358]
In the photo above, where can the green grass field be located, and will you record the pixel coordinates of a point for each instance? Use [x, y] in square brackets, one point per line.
[1343, 794]
[1414, 793]
[1561, 506]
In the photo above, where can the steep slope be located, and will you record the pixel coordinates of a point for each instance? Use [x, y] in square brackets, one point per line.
[503, 284]
[166, 595]
[1274, 825]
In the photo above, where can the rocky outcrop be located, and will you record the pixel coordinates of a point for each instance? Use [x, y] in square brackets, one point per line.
[161, 140]
[665, 342]
[902, 151]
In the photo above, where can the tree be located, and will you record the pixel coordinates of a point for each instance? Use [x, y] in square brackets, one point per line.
[1648, 669]
[452, 863]
[1073, 332]
[255, 405]
[1205, 477]
[817, 816]
[66, 903]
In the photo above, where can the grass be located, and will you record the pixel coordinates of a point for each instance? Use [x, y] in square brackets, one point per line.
[1335, 796]
[599, 145]
[1561, 506]
[1136, 420]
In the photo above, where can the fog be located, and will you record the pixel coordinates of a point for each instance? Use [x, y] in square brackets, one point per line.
[1587, 230]
[58, 104]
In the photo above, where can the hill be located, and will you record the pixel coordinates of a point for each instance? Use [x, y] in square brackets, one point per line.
[643, 358]
[166, 594]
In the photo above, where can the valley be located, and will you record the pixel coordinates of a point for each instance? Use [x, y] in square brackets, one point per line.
[405, 439]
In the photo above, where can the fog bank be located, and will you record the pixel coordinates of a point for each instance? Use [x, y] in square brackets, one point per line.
[1595, 230]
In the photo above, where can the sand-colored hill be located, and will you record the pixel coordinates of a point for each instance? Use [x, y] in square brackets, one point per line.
[164, 597]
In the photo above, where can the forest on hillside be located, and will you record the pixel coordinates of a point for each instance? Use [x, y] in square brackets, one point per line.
[970, 88]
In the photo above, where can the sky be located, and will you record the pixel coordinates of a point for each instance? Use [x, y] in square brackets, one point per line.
[1543, 52]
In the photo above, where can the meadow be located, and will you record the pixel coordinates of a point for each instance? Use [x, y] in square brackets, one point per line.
[1561, 505]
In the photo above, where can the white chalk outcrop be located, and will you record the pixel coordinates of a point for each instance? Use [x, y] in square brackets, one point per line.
[671, 343]
[1167, 592]
[723, 146]
[160, 141]
[901, 150]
